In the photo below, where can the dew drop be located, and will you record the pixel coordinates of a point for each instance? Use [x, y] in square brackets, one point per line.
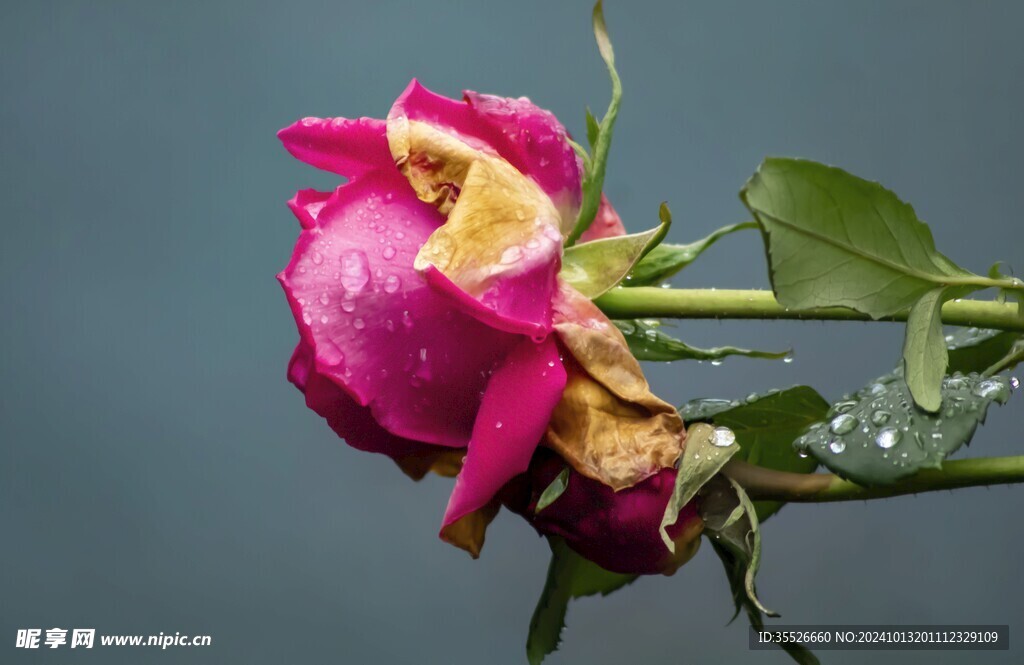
[887, 437]
[837, 446]
[318, 258]
[323, 319]
[844, 423]
[389, 253]
[358, 324]
[392, 284]
[723, 437]
[497, 425]
[355, 270]
[511, 255]
[349, 306]
[990, 389]
[880, 417]
[324, 298]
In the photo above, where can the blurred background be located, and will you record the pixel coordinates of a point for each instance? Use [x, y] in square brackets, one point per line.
[157, 472]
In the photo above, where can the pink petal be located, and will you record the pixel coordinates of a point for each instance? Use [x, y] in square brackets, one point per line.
[521, 305]
[347, 147]
[513, 416]
[619, 531]
[376, 329]
[537, 144]
[307, 204]
[607, 223]
[526, 136]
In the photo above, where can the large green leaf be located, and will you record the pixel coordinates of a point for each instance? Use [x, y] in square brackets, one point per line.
[707, 450]
[666, 260]
[877, 436]
[730, 520]
[834, 239]
[598, 134]
[599, 265]
[735, 571]
[570, 576]
[765, 427]
[924, 351]
[975, 350]
[647, 342]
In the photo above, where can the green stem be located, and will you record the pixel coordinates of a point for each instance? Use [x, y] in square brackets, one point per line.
[652, 302]
[768, 484]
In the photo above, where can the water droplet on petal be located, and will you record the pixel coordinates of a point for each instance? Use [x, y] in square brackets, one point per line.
[837, 446]
[511, 255]
[497, 425]
[324, 298]
[318, 258]
[349, 306]
[392, 284]
[358, 324]
[389, 253]
[355, 270]
[323, 319]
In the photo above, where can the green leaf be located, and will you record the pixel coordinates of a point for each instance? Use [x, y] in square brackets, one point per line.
[666, 260]
[730, 520]
[570, 576]
[766, 426]
[877, 436]
[975, 350]
[593, 129]
[554, 490]
[707, 451]
[924, 351]
[834, 239]
[647, 342]
[736, 573]
[593, 177]
[597, 266]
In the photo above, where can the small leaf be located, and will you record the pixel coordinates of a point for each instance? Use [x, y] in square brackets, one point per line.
[834, 239]
[666, 260]
[736, 572]
[707, 451]
[975, 350]
[647, 342]
[570, 576]
[593, 129]
[720, 500]
[766, 426]
[599, 265]
[593, 177]
[877, 436]
[924, 351]
[554, 490]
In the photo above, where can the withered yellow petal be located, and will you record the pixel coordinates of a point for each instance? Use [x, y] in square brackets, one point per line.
[500, 223]
[468, 532]
[609, 425]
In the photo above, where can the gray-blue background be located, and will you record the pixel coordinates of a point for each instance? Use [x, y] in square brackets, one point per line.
[159, 474]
